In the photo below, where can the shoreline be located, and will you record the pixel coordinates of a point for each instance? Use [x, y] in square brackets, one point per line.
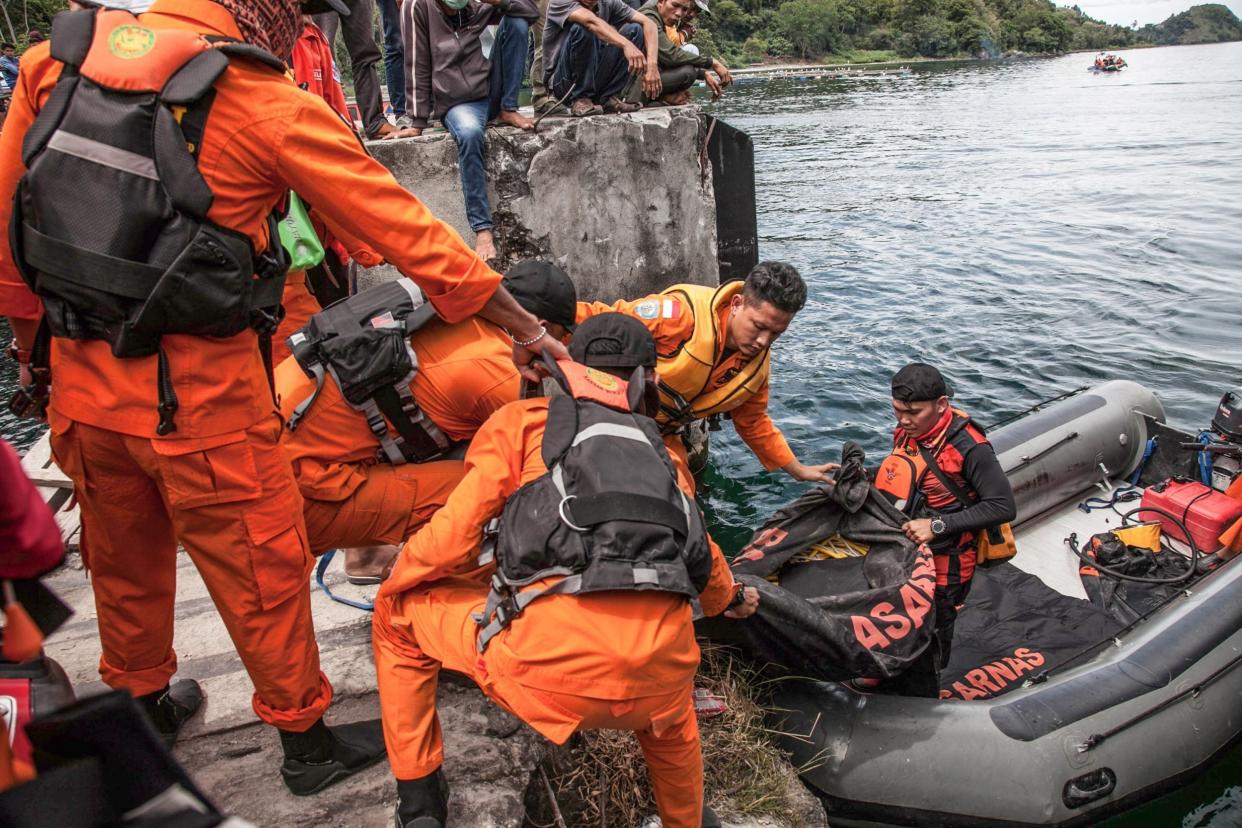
[760, 69]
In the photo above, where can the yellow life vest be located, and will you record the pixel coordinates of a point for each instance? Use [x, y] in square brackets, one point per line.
[686, 372]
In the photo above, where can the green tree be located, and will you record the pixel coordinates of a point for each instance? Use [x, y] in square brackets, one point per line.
[815, 27]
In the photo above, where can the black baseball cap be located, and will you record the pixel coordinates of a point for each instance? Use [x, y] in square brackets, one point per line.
[321, 6]
[545, 290]
[918, 382]
[613, 340]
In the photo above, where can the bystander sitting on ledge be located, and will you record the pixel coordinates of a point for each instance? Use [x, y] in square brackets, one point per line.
[681, 67]
[464, 65]
[594, 49]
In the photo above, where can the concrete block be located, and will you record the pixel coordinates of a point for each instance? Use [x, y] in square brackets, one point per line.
[624, 203]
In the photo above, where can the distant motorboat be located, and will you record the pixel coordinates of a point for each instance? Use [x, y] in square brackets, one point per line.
[1107, 63]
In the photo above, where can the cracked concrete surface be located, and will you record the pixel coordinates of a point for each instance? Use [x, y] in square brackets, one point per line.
[621, 202]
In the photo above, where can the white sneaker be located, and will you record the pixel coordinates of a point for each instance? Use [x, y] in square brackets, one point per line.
[404, 122]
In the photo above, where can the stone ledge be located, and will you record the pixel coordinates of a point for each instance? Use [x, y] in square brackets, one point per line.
[624, 203]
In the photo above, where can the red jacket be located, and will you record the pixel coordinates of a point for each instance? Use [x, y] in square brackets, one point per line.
[30, 542]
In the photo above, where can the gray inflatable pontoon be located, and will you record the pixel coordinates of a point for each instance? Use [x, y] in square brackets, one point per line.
[1139, 717]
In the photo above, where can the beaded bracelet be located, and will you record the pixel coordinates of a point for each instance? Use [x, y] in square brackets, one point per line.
[527, 343]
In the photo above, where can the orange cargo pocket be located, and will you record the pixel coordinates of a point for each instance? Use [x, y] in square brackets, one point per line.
[279, 553]
[207, 471]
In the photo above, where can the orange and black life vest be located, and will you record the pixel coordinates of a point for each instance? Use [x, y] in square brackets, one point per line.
[607, 515]
[902, 474]
[110, 224]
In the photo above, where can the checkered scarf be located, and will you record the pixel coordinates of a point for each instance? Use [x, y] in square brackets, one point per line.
[273, 25]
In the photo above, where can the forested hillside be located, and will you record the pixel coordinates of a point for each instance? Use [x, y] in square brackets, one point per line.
[745, 31]
[1209, 23]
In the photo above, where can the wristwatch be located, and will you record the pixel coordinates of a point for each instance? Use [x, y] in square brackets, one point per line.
[738, 599]
[937, 526]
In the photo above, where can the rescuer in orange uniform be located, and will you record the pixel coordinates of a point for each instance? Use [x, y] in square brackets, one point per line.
[203, 467]
[465, 373]
[714, 346]
[620, 659]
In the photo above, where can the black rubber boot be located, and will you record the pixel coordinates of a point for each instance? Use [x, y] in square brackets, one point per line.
[422, 803]
[322, 755]
[172, 707]
[710, 820]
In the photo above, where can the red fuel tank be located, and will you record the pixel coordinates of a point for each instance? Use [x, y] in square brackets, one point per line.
[1206, 512]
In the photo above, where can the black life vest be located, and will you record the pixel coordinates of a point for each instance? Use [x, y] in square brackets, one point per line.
[363, 343]
[109, 224]
[608, 514]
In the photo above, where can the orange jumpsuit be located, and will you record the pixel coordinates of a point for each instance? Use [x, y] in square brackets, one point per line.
[623, 660]
[672, 324]
[220, 485]
[465, 373]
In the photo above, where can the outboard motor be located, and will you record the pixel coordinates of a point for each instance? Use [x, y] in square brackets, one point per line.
[1226, 437]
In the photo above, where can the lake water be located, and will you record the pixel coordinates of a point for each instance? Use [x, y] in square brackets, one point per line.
[1027, 226]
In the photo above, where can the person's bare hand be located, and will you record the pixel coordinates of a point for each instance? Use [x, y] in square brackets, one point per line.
[651, 81]
[524, 357]
[713, 84]
[919, 531]
[810, 474]
[635, 58]
[750, 603]
[726, 77]
[408, 132]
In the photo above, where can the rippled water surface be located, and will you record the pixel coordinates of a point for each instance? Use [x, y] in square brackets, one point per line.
[1025, 225]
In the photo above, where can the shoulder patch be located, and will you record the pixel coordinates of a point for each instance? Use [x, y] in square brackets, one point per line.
[647, 310]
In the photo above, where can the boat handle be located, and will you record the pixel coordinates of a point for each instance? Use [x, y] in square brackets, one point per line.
[1082, 790]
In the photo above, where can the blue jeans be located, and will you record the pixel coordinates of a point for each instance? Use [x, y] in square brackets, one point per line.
[594, 69]
[467, 122]
[394, 56]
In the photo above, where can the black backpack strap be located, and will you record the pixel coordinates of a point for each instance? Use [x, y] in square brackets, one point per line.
[592, 510]
[561, 429]
[418, 442]
[192, 80]
[72, 33]
[235, 48]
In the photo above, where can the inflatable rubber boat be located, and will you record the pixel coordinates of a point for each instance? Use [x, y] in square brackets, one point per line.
[1116, 714]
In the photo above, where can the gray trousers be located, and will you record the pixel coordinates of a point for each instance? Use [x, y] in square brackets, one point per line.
[364, 52]
[538, 93]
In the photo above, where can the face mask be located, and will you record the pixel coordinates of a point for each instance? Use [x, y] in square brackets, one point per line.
[456, 5]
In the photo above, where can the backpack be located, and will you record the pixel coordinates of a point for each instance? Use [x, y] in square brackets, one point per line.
[110, 226]
[363, 343]
[608, 514]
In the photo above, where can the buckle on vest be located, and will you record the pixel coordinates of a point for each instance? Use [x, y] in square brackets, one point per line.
[168, 412]
[506, 611]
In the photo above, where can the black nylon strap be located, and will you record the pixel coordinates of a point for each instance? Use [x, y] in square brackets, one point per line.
[87, 268]
[419, 445]
[191, 81]
[235, 48]
[959, 494]
[72, 33]
[591, 510]
[178, 169]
